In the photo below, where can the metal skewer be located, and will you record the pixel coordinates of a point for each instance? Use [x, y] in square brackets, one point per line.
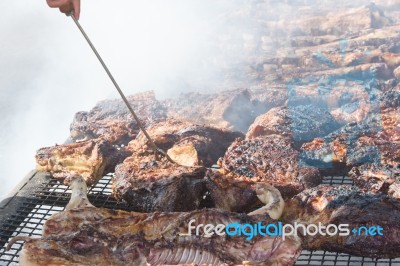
[152, 144]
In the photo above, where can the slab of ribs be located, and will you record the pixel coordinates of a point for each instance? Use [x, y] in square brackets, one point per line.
[85, 235]
[257, 150]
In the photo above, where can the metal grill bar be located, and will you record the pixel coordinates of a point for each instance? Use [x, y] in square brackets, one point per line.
[51, 197]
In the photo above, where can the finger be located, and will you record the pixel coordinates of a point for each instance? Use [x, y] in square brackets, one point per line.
[57, 3]
[76, 5]
[67, 8]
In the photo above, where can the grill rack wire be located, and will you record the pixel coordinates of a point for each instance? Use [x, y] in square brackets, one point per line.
[51, 197]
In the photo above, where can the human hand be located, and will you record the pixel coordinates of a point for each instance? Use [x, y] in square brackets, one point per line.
[66, 6]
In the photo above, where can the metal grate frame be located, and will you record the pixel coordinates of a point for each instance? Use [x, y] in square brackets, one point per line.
[38, 203]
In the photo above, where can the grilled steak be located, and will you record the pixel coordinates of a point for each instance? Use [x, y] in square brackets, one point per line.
[372, 140]
[112, 120]
[302, 123]
[150, 185]
[271, 160]
[391, 97]
[391, 124]
[347, 205]
[372, 177]
[91, 159]
[341, 154]
[187, 143]
[233, 109]
[346, 101]
[85, 235]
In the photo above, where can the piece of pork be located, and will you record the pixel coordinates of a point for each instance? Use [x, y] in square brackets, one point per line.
[347, 205]
[85, 235]
[91, 159]
[148, 185]
[231, 109]
[186, 143]
[372, 140]
[301, 123]
[271, 160]
[112, 120]
[372, 177]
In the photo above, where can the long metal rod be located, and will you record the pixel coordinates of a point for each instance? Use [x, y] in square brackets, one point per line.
[153, 145]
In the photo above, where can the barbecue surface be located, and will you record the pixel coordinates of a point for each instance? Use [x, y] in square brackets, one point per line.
[50, 196]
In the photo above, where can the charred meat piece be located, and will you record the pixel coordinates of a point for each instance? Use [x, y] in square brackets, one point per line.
[390, 112]
[391, 123]
[187, 143]
[158, 185]
[112, 120]
[391, 98]
[346, 204]
[329, 156]
[91, 159]
[271, 160]
[85, 235]
[383, 121]
[376, 178]
[340, 154]
[232, 192]
[150, 185]
[346, 101]
[301, 123]
[230, 109]
[234, 109]
[373, 140]
[164, 134]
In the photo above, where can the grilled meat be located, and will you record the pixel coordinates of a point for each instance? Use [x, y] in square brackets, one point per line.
[231, 110]
[347, 101]
[390, 113]
[341, 154]
[85, 235]
[271, 160]
[302, 123]
[150, 185]
[234, 109]
[187, 143]
[391, 124]
[112, 120]
[372, 177]
[391, 97]
[237, 193]
[372, 140]
[347, 205]
[91, 159]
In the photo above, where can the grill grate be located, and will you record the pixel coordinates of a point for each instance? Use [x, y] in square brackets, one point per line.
[52, 196]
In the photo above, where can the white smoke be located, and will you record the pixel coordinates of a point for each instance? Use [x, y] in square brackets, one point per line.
[48, 72]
